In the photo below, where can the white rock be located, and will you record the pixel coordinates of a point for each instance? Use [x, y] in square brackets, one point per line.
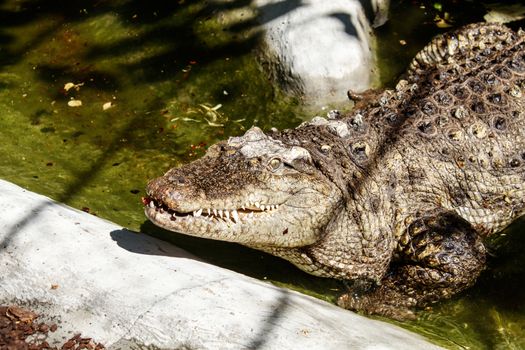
[319, 49]
[122, 288]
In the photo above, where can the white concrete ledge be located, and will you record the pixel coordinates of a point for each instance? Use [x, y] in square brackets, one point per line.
[125, 289]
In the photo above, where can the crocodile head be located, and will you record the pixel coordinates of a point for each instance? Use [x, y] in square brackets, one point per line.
[253, 190]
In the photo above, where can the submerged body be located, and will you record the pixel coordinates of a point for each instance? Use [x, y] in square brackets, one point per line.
[400, 193]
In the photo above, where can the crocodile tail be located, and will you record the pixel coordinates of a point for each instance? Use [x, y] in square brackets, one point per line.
[469, 41]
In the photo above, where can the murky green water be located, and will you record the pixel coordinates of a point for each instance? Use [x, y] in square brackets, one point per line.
[175, 77]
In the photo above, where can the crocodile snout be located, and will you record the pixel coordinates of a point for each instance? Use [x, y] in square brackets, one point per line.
[174, 191]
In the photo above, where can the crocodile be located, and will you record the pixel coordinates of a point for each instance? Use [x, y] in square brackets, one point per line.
[397, 197]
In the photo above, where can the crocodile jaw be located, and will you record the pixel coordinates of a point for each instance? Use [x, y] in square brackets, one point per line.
[289, 221]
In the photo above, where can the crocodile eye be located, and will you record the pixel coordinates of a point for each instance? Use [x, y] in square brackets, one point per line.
[274, 163]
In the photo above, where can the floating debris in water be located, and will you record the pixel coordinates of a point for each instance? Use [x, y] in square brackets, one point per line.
[209, 114]
[208, 108]
[74, 103]
[107, 105]
[212, 116]
[184, 119]
[70, 86]
[211, 123]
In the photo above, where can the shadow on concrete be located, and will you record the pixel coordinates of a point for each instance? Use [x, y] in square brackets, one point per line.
[265, 332]
[139, 243]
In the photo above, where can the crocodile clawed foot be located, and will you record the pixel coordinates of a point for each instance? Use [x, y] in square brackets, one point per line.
[375, 303]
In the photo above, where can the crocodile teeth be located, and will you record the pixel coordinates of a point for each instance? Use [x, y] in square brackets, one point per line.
[227, 214]
[235, 216]
[250, 215]
[243, 207]
[197, 213]
[257, 204]
[214, 211]
[152, 204]
[220, 213]
[263, 207]
[209, 211]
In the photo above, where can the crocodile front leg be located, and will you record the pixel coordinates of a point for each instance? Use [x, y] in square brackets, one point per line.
[443, 257]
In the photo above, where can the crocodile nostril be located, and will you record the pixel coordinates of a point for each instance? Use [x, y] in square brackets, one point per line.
[180, 180]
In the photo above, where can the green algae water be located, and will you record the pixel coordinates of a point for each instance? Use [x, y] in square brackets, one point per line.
[96, 98]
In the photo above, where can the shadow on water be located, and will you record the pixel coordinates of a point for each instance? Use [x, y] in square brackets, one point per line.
[184, 45]
[502, 282]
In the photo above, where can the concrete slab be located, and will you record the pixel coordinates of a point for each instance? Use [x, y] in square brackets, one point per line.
[129, 290]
